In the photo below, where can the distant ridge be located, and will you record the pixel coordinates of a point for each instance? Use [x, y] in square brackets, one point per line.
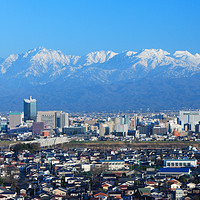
[101, 80]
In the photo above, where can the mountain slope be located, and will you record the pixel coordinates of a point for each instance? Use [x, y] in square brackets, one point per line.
[101, 80]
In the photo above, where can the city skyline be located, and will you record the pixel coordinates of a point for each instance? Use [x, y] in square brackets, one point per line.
[114, 100]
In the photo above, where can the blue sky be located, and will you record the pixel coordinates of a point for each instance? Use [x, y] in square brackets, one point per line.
[81, 26]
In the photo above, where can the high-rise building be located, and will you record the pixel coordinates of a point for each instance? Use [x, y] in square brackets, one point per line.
[197, 128]
[103, 129]
[122, 128]
[124, 120]
[53, 119]
[189, 117]
[48, 117]
[16, 118]
[30, 109]
[61, 119]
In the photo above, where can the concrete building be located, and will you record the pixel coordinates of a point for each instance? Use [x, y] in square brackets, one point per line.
[189, 117]
[179, 194]
[103, 129]
[122, 128]
[159, 130]
[61, 119]
[173, 126]
[30, 109]
[197, 128]
[38, 127]
[113, 164]
[53, 119]
[73, 130]
[117, 120]
[16, 118]
[48, 117]
[111, 125]
[180, 163]
[145, 130]
[124, 120]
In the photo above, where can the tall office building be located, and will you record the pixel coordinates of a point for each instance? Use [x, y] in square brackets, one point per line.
[48, 117]
[189, 118]
[30, 109]
[124, 120]
[16, 118]
[53, 119]
[61, 119]
[103, 129]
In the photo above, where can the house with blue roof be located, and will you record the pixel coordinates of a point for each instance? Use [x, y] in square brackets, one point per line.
[169, 171]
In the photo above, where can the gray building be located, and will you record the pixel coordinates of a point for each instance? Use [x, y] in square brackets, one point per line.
[61, 119]
[73, 130]
[30, 109]
[159, 130]
[189, 117]
[53, 119]
[48, 117]
[38, 127]
[16, 118]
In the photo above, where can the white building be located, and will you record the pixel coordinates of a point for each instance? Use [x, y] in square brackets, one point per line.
[189, 117]
[122, 128]
[180, 163]
[179, 194]
[113, 164]
[87, 167]
[174, 126]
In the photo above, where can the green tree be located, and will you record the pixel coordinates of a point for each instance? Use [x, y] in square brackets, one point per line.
[32, 147]
[182, 179]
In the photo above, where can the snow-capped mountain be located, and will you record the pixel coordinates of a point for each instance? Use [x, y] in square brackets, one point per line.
[40, 65]
[101, 80]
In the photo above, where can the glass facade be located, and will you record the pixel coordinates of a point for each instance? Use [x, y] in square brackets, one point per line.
[30, 109]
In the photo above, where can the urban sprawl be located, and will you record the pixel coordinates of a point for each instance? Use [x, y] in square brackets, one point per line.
[140, 155]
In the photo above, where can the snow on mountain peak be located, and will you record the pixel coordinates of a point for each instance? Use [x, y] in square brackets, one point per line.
[51, 57]
[179, 54]
[130, 53]
[152, 53]
[42, 65]
[8, 62]
[98, 57]
[151, 58]
[188, 58]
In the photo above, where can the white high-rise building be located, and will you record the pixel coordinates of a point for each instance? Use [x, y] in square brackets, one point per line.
[189, 117]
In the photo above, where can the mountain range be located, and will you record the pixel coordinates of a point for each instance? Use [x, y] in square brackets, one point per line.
[101, 80]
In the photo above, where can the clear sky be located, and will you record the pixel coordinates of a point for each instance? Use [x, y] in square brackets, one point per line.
[80, 26]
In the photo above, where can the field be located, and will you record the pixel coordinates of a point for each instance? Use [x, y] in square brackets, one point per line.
[134, 145]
